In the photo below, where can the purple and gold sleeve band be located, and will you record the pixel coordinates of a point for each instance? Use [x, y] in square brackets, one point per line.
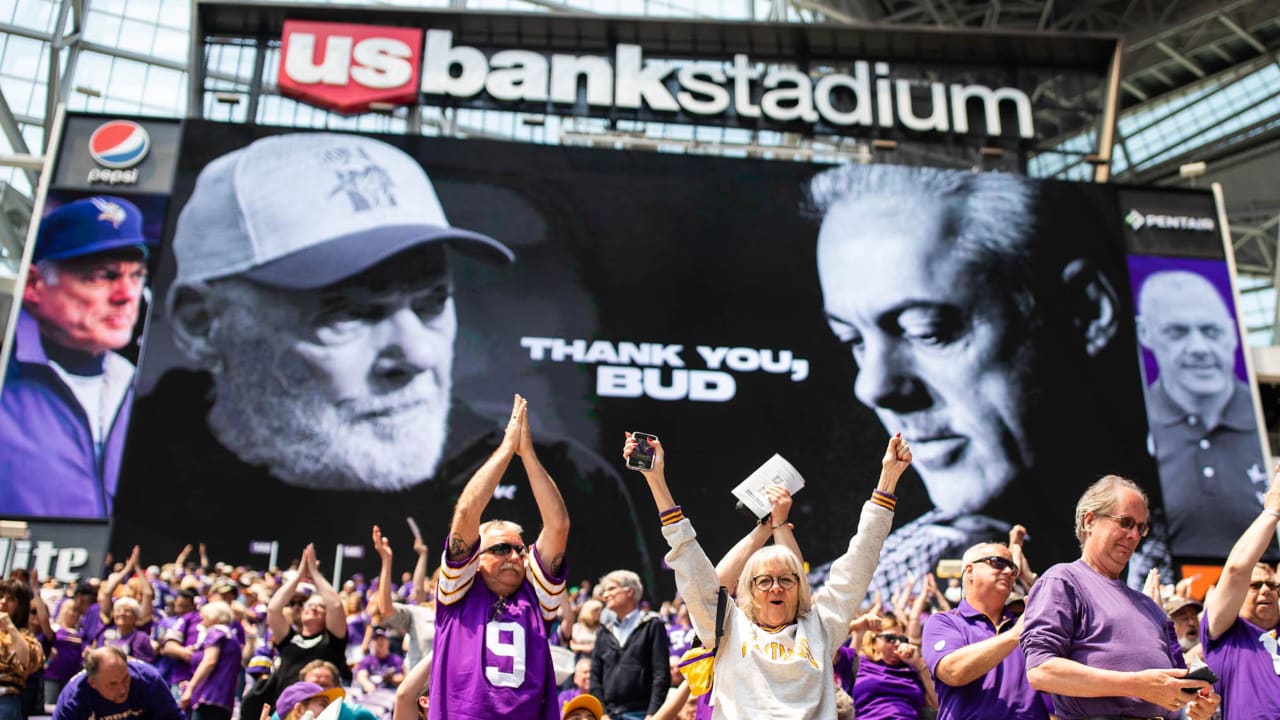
[672, 516]
[888, 501]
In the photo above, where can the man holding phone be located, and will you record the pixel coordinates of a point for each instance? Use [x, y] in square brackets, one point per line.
[1241, 614]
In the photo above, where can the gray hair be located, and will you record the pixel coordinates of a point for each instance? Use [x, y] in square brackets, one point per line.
[1101, 499]
[128, 604]
[994, 215]
[219, 612]
[626, 579]
[773, 554]
[501, 525]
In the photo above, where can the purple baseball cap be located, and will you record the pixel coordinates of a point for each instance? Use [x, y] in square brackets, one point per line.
[300, 692]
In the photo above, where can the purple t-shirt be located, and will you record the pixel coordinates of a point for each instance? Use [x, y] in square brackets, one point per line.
[65, 660]
[188, 631]
[887, 692]
[492, 658]
[136, 644]
[219, 687]
[1246, 659]
[845, 667]
[1077, 613]
[1003, 692]
[381, 669]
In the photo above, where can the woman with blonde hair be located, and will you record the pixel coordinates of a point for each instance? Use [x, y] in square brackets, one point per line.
[775, 657]
[892, 680]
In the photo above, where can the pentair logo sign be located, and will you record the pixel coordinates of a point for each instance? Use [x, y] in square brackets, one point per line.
[347, 67]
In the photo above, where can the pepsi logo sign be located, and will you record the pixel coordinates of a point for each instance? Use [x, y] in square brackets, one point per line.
[119, 144]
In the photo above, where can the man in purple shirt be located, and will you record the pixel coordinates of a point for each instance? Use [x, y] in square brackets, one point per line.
[113, 687]
[1240, 618]
[973, 650]
[1099, 647]
[492, 659]
[67, 393]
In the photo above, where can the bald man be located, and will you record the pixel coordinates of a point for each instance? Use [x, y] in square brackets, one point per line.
[113, 687]
[973, 650]
[1203, 426]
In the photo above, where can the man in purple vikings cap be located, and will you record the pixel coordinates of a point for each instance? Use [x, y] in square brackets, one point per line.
[67, 393]
[314, 305]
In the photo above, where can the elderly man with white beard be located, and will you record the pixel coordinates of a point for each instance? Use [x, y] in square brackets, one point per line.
[314, 295]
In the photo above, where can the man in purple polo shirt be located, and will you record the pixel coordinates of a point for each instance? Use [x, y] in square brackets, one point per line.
[1240, 618]
[1099, 647]
[973, 650]
[67, 393]
[492, 659]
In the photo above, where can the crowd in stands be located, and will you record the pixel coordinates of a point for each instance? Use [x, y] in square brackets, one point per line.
[207, 641]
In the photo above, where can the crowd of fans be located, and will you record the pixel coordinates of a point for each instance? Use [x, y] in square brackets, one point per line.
[207, 641]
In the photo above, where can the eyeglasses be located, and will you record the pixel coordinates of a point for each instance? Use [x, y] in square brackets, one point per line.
[894, 638]
[764, 583]
[1127, 523]
[504, 549]
[1271, 585]
[297, 603]
[1000, 564]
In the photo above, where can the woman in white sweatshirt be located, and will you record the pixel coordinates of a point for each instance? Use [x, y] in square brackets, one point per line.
[775, 658]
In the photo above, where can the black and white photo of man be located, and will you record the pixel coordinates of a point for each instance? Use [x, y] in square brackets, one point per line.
[313, 305]
[992, 344]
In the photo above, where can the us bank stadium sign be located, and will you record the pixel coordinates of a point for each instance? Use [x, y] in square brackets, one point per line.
[886, 82]
[346, 67]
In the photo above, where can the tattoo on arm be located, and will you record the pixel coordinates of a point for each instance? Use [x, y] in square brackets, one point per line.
[557, 564]
[458, 548]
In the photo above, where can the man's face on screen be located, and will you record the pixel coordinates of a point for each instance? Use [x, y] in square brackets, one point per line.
[940, 355]
[1187, 327]
[343, 387]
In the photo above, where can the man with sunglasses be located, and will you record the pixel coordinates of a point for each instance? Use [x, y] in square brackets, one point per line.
[67, 391]
[1240, 620]
[495, 596]
[973, 650]
[1099, 647]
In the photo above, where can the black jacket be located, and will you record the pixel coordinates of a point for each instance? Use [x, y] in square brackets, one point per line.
[633, 677]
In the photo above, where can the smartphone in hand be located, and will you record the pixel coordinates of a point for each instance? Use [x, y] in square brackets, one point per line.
[642, 457]
[1201, 672]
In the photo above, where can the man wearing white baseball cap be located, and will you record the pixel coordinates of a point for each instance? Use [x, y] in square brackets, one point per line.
[313, 291]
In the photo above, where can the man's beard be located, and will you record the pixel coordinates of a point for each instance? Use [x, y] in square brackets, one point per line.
[307, 441]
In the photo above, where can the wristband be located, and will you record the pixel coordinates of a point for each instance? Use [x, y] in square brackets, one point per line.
[775, 527]
[671, 516]
[888, 501]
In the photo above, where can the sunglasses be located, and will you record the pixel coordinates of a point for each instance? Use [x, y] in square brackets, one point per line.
[504, 549]
[765, 583]
[894, 638]
[1272, 585]
[1000, 564]
[1127, 523]
[296, 603]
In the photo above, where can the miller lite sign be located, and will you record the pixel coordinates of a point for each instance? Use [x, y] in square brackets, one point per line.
[347, 67]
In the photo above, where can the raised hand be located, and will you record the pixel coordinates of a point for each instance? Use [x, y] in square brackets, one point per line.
[779, 502]
[381, 544]
[419, 546]
[659, 457]
[897, 456]
[525, 448]
[1017, 534]
[511, 437]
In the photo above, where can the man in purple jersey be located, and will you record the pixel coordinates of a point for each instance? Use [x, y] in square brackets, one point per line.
[1240, 619]
[492, 659]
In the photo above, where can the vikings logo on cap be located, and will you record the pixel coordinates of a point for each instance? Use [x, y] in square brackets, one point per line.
[119, 144]
[109, 211]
